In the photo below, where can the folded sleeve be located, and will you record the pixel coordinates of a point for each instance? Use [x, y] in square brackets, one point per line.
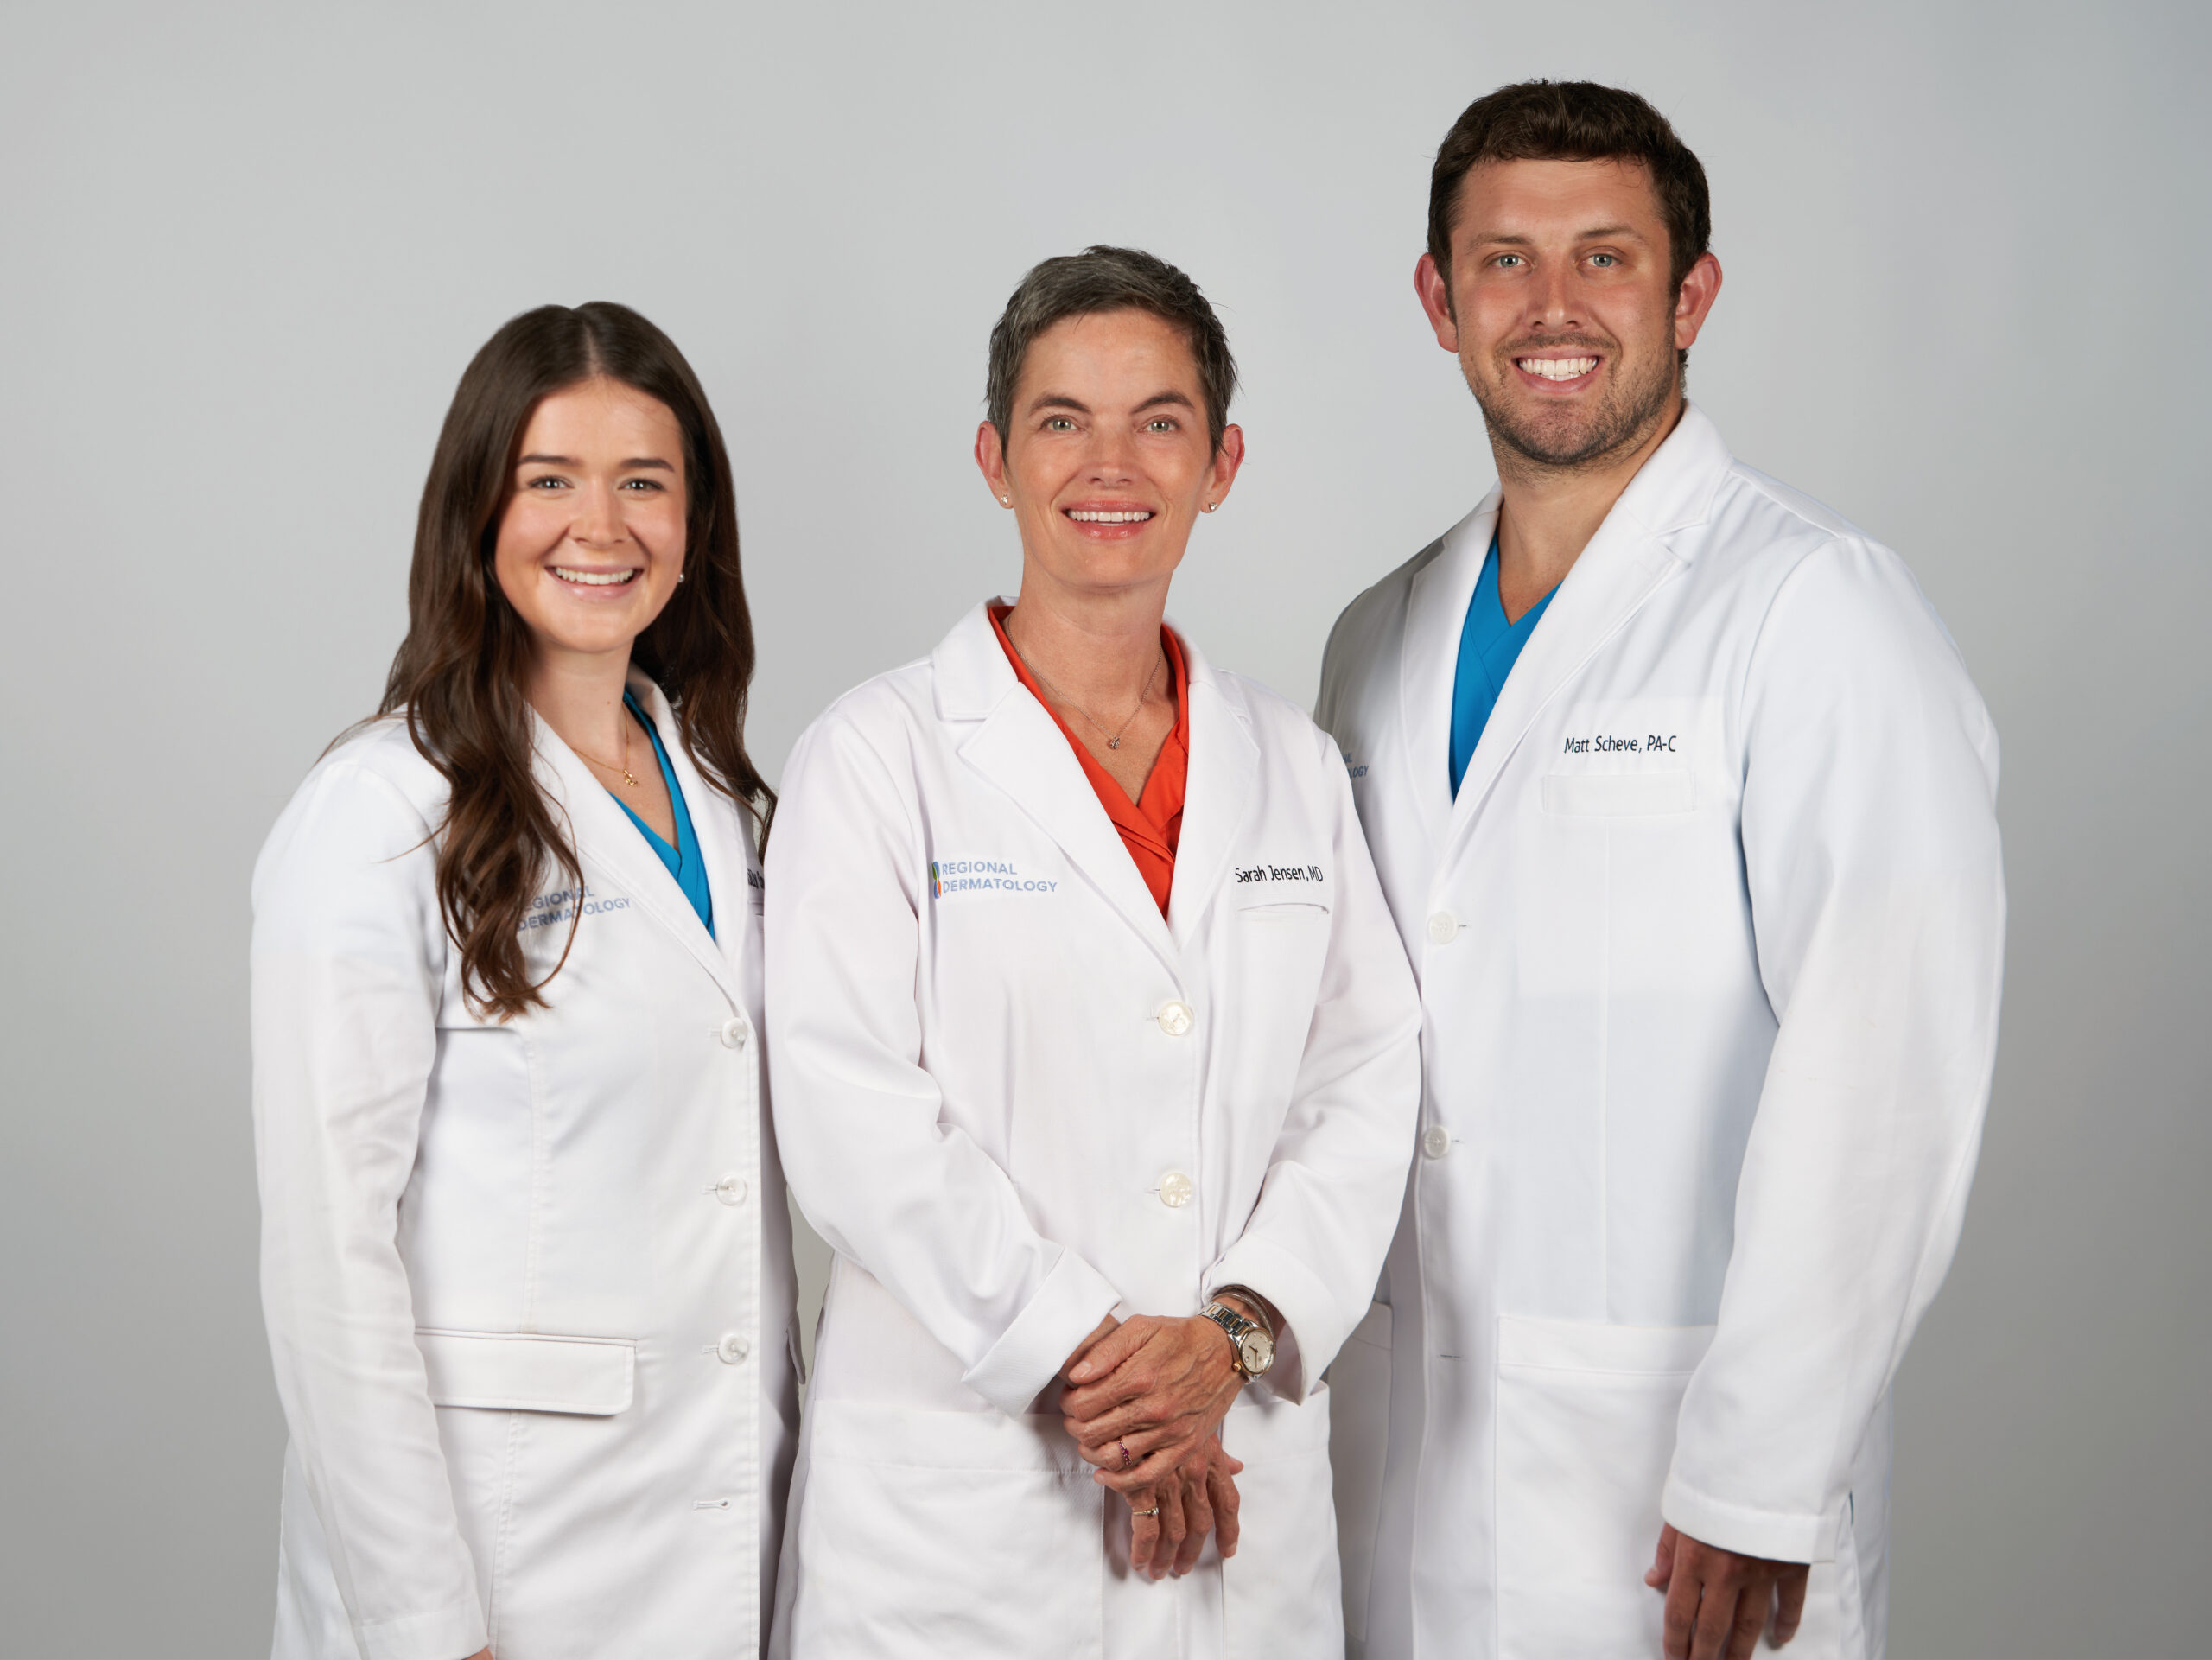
[348, 962]
[1872, 860]
[859, 1120]
[1336, 1176]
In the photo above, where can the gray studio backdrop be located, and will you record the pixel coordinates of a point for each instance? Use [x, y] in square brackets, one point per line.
[245, 253]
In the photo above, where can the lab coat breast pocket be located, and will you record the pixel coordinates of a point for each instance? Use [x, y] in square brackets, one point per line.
[928, 1533]
[1586, 1432]
[1277, 951]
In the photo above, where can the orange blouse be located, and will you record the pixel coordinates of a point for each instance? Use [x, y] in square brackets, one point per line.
[1152, 825]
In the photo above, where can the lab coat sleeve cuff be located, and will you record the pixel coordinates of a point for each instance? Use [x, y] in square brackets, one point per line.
[1778, 1535]
[1312, 1332]
[1029, 1354]
[452, 1633]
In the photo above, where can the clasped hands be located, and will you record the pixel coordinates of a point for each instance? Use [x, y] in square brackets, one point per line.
[1144, 1401]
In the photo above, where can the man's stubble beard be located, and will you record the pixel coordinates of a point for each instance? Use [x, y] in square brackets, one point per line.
[1621, 424]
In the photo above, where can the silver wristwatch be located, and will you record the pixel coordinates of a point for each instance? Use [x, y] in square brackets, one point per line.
[1252, 1346]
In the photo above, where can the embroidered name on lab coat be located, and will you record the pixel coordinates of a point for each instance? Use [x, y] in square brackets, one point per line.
[1624, 744]
[1278, 874]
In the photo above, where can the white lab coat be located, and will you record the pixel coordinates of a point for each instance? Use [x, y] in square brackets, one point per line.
[1709, 946]
[1014, 1098]
[529, 1287]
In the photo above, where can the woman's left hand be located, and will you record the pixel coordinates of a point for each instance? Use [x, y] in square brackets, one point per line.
[1145, 1395]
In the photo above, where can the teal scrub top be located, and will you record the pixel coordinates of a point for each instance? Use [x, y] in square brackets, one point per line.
[1489, 648]
[682, 859]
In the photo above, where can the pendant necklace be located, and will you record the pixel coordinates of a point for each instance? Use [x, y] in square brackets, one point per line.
[628, 777]
[1113, 739]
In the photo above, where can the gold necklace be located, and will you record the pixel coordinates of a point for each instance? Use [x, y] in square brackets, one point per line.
[628, 777]
[1113, 739]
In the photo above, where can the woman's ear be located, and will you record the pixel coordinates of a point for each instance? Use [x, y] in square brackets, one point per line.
[990, 458]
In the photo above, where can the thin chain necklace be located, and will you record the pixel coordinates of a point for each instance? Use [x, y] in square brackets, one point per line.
[628, 777]
[1113, 739]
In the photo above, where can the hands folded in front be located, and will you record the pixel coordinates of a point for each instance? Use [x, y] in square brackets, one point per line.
[1144, 1402]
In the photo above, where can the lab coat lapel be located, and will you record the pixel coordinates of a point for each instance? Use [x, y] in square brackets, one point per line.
[1436, 610]
[719, 822]
[1218, 795]
[1017, 747]
[605, 837]
[1628, 561]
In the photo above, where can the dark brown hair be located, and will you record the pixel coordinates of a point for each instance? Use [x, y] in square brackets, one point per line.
[458, 678]
[1573, 121]
[1102, 278]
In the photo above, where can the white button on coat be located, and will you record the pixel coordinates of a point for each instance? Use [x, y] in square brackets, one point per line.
[377, 1093]
[969, 1103]
[733, 1348]
[1436, 1140]
[1443, 928]
[734, 1031]
[731, 1189]
[1728, 1015]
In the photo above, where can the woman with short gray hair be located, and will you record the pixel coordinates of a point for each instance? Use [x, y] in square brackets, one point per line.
[1094, 1056]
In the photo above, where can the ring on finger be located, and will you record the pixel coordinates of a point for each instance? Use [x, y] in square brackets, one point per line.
[1127, 1461]
[1154, 1511]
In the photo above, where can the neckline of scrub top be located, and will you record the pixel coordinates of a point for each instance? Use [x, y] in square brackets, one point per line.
[682, 859]
[1151, 826]
[1489, 648]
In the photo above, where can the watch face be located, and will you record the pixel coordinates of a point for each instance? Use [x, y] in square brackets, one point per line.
[1259, 1352]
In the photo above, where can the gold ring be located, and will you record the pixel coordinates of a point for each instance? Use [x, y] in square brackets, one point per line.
[1154, 1511]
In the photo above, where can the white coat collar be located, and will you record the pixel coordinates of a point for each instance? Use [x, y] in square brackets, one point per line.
[605, 837]
[1624, 565]
[1020, 749]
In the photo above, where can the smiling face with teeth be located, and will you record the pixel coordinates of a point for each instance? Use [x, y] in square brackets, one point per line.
[1559, 303]
[1109, 459]
[592, 537]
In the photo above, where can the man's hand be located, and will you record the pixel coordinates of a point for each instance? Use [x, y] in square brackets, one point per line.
[1145, 1395]
[1718, 1602]
[1199, 1497]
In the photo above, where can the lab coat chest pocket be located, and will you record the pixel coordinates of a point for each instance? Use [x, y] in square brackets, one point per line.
[1627, 855]
[1277, 948]
[1586, 1432]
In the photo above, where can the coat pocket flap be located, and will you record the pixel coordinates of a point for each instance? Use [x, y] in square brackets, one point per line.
[1589, 1345]
[521, 1371]
[1619, 795]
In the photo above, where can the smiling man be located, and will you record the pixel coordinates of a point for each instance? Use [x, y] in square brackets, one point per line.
[1684, 805]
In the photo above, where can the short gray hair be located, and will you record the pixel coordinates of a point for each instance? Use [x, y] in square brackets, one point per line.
[1108, 279]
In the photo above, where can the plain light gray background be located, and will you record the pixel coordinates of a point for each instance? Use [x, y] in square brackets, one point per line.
[244, 254]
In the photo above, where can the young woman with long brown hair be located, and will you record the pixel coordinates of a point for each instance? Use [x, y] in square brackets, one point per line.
[525, 1262]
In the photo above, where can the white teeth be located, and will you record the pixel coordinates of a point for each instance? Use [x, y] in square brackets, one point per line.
[593, 578]
[1557, 368]
[1091, 516]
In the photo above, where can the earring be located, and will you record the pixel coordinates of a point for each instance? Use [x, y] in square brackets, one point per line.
[1211, 506]
[1006, 501]
[679, 576]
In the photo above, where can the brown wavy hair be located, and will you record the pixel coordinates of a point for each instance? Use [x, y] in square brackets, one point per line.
[458, 680]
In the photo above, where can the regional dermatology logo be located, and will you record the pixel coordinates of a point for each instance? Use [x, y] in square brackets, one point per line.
[951, 877]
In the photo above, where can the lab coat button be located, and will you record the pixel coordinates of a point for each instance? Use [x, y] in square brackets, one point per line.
[731, 1189]
[734, 1031]
[1175, 1019]
[1441, 928]
[1436, 1140]
[733, 1348]
[1175, 1190]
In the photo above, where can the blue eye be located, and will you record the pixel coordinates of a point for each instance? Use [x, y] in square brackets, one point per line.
[1604, 259]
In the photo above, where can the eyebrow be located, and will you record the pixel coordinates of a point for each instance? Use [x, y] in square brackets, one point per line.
[634, 462]
[1063, 401]
[1507, 239]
